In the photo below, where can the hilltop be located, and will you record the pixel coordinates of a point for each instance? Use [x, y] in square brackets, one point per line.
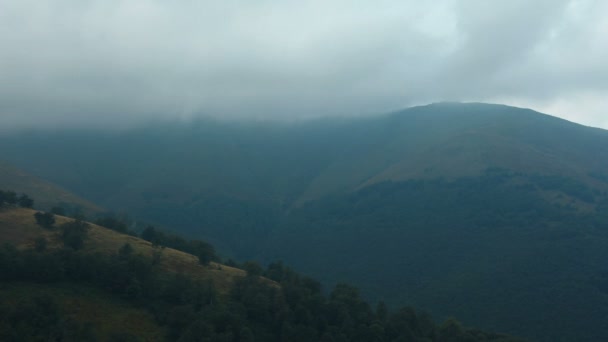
[453, 140]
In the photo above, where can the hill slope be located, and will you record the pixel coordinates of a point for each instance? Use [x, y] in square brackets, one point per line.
[91, 310]
[471, 210]
[480, 248]
[58, 290]
[18, 227]
[44, 296]
[46, 193]
[455, 140]
[282, 165]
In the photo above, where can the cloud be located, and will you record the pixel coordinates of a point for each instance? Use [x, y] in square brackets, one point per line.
[123, 62]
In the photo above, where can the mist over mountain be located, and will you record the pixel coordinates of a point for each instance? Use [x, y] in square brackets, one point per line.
[448, 206]
[121, 64]
[384, 149]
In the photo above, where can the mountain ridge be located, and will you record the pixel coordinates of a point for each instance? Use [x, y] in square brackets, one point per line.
[433, 203]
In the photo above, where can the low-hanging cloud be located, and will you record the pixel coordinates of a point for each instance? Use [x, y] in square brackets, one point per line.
[118, 63]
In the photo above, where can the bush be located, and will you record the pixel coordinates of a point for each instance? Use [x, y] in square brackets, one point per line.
[8, 198]
[40, 244]
[252, 268]
[58, 211]
[25, 201]
[46, 220]
[74, 233]
[204, 251]
[112, 222]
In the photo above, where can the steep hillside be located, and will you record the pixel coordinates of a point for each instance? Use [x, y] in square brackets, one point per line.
[471, 210]
[18, 227]
[65, 307]
[480, 248]
[453, 140]
[62, 306]
[47, 194]
[273, 166]
[56, 289]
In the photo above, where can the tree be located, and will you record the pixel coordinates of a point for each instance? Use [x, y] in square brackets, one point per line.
[204, 251]
[25, 201]
[156, 255]
[40, 244]
[452, 331]
[57, 210]
[382, 312]
[151, 234]
[46, 220]
[125, 251]
[112, 222]
[8, 198]
[252, 268]
[74, 233]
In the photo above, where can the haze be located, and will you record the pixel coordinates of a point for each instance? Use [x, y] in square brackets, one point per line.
[120, 63]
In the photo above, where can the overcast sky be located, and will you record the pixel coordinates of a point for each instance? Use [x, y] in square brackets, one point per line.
[107, 62]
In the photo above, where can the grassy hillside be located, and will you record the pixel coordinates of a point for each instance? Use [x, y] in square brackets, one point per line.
[452, 140]
[18, 226]
[73, 310]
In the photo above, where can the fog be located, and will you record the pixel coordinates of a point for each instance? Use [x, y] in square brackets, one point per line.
[121, 63]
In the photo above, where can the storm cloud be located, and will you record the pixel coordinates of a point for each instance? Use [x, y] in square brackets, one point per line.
[116, 63]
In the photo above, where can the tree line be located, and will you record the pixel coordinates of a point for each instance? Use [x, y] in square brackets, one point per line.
[194, 310]
[11, 199]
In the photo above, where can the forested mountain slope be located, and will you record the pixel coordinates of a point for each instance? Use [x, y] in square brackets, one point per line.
[448, 206]
[69, 280]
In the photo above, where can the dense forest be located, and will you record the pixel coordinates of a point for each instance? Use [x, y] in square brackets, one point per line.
[268, 304]
[454, 246]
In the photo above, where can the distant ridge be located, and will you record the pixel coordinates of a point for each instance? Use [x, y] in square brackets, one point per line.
[453, 140]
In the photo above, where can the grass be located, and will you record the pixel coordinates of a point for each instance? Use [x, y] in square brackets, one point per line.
[18, 227]
[107, 314]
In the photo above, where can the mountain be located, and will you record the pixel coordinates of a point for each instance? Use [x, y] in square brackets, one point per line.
[493, 214]
[48, 195]
[456, 140]
[294, 163]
